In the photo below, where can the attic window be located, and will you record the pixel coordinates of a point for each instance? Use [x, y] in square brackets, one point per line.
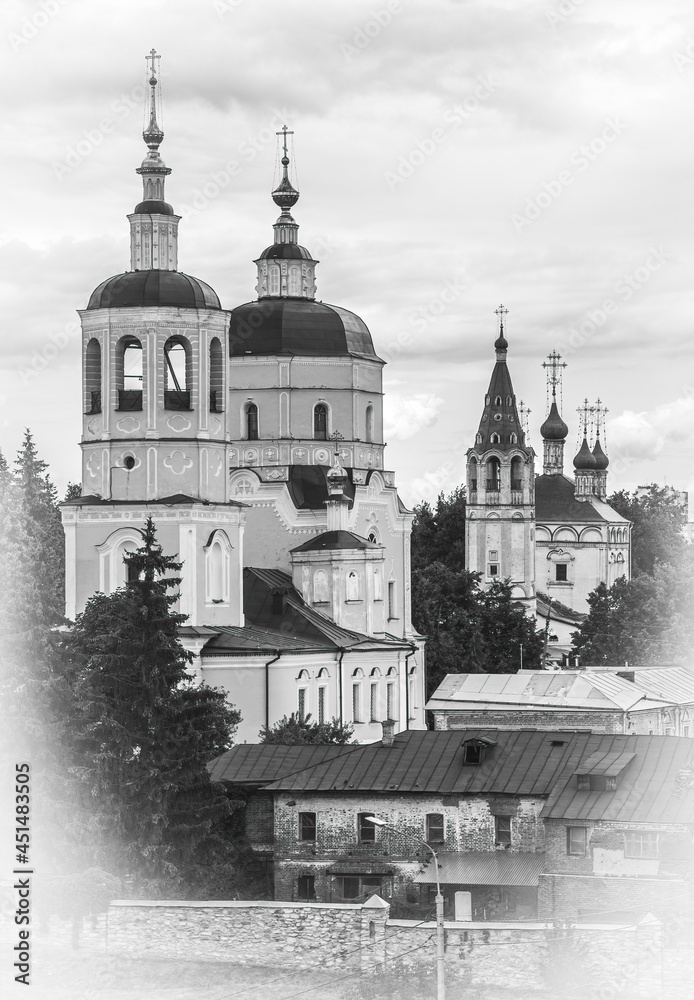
[596, 783]
[475, 749]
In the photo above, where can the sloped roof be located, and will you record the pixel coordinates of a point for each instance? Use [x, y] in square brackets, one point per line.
[259, 763]
[555, 501]
[560, 689]
[293, 626]
[335, 540]
[656, 785]
[608, 763]
[485, 868]
[670, 684]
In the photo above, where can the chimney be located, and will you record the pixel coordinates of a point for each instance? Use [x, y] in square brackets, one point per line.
[388, 732]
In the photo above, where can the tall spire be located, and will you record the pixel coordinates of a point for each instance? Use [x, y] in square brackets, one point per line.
[553, 430]
[153, 224]
[286, 269]
[500, 427]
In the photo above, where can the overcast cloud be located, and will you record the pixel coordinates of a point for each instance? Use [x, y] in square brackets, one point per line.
[451, 155]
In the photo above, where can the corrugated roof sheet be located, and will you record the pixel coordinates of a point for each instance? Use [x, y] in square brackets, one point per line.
[485, 868]
[548, 689]
[657, 786]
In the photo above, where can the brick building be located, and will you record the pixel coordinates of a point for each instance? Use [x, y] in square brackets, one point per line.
[655, 701]
[505, 811]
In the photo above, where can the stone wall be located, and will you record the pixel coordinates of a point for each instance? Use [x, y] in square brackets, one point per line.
[527, 956]
[594, 897]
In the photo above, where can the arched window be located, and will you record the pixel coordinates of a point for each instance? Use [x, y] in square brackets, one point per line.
[357, 695]
[323, 678]
[251, 422]
[493, 474]
[374, 700]
[514, 439]
[302, 694]
[353, 586]
[92, 376]
[495, 439]
[177, 373]
[274, 279]
[294, 280]
[391, 707]
[509, 400]
[369, 422]
[378, 585]
[497, 401]
[129, 373]
[516, 473]
[472, 474]
[320, 422]
[217, 568]
[392, 599]
[114, 572]
[216, 376]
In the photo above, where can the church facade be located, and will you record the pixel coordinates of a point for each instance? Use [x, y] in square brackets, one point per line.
[554, 537]
[253, 437]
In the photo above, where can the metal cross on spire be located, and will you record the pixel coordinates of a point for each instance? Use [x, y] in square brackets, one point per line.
[586, 412]
[553, 366]
[501, 311]
[284, 132]
[336, 437]
[153, 55]
[524, 413]
[600, 412]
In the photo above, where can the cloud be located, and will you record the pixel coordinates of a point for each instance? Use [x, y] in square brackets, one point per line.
[647, 434]
[404, 417]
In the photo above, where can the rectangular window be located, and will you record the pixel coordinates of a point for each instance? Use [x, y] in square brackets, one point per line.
[502, 834]
[576, 840]
[685, 730]
[561, 572]
[472, 753]
[493, 555]
[307, 826]
[306, 888]
[322, 692]
[390, 700]
[595, 783]
[392, 608]
[493, 569]
[435, 832]
[640, 844]
[374, 703]
[356, 888]
[367, 830]
[356, 703]
[302, 703]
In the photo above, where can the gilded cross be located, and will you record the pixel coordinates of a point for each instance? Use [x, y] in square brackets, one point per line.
[151, 58]
[284, 132]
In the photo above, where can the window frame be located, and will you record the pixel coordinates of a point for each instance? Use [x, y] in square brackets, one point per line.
[571, 831]
[306, 825]
[431, 828]
[646, 836]
[369, 829]
[503, 830]
[320, 413]
[309, 882]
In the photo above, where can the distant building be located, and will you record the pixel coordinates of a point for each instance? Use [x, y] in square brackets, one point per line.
[524, 823]
[653, 701]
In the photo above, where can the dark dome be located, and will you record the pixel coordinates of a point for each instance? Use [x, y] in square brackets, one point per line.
[154, 288]
[554, 428]
[501, 343]
[297, 326]
[585, 460]
[154, 208]
[285, 251]
[601, 459]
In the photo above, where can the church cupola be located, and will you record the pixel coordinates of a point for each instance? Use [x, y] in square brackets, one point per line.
[553, 430]
[153, 224]
[501, 486]
[601, 460]
[286, 269]
[584, 460]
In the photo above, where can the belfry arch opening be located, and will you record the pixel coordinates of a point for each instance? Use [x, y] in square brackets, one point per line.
[369, 423]
[92, 377]
[493, 474]
[516, 473]
[129, 374]
[177, 374]
[216, 376]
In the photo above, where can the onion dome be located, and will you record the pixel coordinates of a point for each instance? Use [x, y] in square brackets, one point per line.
[584, 460]
[285, 195]
[154, 207]
[154, 288]
[297, 326]
[554, 428]
[601, 459]
[501, 343]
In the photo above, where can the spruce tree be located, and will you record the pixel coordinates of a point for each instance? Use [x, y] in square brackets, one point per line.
[145, 729]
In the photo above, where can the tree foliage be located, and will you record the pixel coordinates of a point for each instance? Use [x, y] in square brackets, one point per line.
[144, 730]
[292, 730]
[656, 535]
[649, 619]
[469, 630]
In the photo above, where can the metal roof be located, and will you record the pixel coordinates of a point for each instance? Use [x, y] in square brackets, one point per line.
[485, 868]
[154, 288]
[671, 684]
[559, 689]
[657, 786]
[610, 763]
[555, 501]
[297, 326]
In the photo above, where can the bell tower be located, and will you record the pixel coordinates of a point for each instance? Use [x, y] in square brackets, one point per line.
[154, 380]
[500, 513]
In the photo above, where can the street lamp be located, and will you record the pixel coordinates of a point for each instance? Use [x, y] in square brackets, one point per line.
[440, 946]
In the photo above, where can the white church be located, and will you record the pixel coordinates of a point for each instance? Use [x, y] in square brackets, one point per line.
[254, 439]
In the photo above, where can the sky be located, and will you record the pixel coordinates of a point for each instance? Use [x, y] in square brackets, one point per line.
[451, 156]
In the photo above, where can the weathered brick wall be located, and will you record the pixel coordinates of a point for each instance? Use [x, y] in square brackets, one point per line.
[469, 825]
[587, 897]
[599, 722]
